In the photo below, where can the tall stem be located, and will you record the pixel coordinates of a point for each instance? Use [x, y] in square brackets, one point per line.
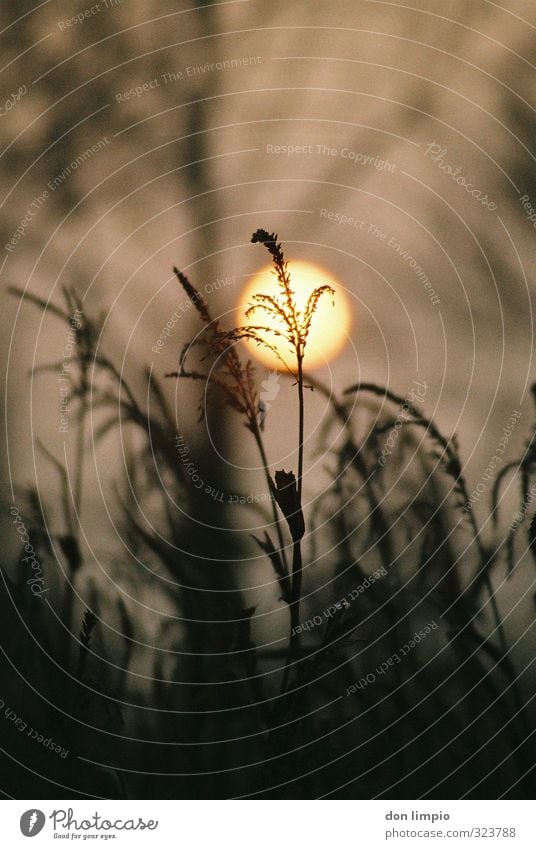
[296, 592]
[277, 524]
[301, 418]
[294, 637]
[296, 558]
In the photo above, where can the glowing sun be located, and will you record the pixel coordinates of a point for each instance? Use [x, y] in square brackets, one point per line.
[331, 322]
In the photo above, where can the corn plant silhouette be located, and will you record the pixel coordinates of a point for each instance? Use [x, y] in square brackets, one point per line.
[236, 381]
[310, 741]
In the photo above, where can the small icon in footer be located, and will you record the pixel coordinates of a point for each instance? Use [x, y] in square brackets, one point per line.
[31, 822]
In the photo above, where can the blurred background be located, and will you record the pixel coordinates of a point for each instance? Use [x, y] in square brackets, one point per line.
[392, 146]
